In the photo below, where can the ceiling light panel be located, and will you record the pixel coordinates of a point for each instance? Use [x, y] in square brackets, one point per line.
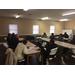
[68, 14]
[64, 20]
[45, 18]
[25, 9]
[17, 16]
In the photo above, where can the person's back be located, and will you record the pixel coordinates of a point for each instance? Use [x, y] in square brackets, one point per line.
[15, 41]
[20, 50]
[9, 40]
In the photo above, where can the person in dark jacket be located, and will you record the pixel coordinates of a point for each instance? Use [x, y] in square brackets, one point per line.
[52, 36]
[15, 41]
[46, 50]
[9, 40]
[60, 37]
[65, 35]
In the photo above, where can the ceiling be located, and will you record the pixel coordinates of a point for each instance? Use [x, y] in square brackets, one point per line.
[55, 14]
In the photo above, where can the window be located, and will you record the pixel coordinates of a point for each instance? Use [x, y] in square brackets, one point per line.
[35, 29]
[13, 28]
[52, 29]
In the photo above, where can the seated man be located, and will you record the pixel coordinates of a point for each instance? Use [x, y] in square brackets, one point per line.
[44, 35]
[9, 40]
[46, 50]
[52, 36]
[60, 37]
[15, 41]
[21, 50]
[65, 35]
[73, 40]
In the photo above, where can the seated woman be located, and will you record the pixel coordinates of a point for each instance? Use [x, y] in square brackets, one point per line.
[46, 50]
[44, 35]
[60, 37]
[52, 36]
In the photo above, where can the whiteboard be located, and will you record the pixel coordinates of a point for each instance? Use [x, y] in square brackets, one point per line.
[67, 31]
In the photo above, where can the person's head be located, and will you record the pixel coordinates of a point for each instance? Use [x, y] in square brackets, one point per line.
[9, 34]
[17, 36]
[65, 33]
[60, 35]
[52, 34]
[24, 42]
[13, 34]
[44, 33]
[51, 41]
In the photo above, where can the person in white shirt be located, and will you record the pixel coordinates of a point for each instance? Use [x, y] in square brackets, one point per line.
[21, 50]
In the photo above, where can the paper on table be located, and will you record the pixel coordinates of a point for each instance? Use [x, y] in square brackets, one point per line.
[30, 48]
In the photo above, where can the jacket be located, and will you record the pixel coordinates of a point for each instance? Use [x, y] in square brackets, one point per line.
[20, 51]
[11, 59]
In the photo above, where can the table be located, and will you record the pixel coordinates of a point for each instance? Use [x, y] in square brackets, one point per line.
[33, 50]
[63, 44]
[21, 39]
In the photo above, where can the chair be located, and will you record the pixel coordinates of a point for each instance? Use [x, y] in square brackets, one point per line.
[52, 55]
[11, 58]
[44, 44]
[21, 62]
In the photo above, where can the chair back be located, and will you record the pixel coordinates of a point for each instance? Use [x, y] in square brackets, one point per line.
[40, 40]
[44, 44]
[53, 51]
[73, 50]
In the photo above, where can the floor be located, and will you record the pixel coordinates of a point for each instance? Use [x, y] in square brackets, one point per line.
[59, 60]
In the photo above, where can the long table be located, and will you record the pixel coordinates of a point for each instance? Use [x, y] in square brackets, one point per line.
[33, 50]
[63, 44]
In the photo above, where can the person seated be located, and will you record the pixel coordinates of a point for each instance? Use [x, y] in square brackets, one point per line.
[60, 37]
[52, 36]
[15, 41]
[46, 50]
[73, 40]
[9, 40]
[65, 35]
[13, 35]
[44, 35]
[21, 50]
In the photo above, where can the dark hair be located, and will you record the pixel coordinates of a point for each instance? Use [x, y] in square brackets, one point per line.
[61, 34]
[52, 41]
[52, 33]
[24, 42]
[9, 34]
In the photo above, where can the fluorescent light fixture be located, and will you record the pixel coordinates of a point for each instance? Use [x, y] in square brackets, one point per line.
[17, 16]
[45, 18]
[25, 9]
[64, 20]
[68, 14]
